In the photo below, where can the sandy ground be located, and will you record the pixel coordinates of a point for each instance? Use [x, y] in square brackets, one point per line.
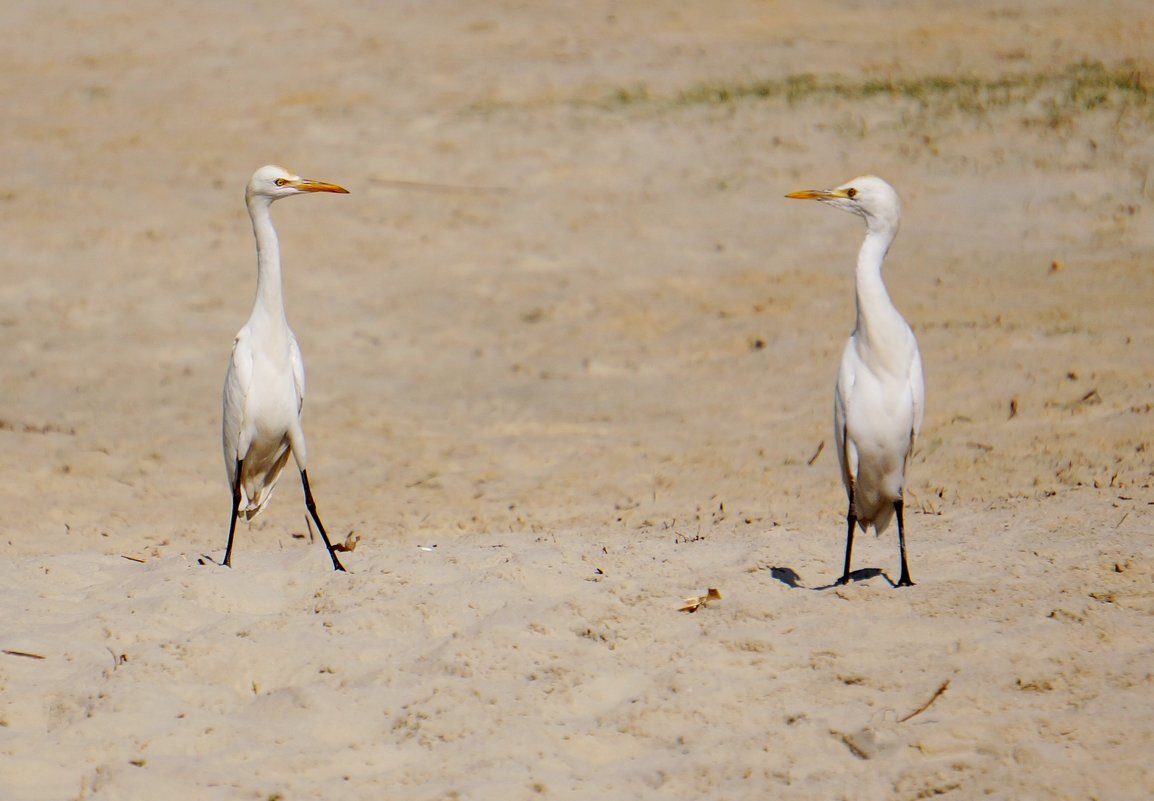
[567, 329]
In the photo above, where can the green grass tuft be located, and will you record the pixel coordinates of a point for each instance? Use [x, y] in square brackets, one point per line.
[1083, 86]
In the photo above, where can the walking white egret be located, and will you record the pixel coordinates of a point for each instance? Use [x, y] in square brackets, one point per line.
[880, 397]
[265, 384]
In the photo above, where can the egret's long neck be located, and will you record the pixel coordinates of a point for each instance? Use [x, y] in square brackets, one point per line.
[269, 291]
[879, 325]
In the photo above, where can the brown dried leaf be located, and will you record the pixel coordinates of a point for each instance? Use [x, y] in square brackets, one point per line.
[350, 543]
[693, 602]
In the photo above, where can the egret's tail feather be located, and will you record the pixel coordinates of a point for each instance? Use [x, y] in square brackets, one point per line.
[883, 520]
[254, 507]
[880, 520]
[255, 498]
[258, 485]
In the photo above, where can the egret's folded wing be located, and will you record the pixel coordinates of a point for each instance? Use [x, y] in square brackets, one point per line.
[298, 365]
[237, 381]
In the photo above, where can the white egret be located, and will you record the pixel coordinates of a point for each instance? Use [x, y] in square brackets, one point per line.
[879, 401]
[265, 384]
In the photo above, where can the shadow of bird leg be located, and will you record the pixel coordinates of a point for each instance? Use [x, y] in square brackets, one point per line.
[861, 574]
[235, 512]
[312, 507]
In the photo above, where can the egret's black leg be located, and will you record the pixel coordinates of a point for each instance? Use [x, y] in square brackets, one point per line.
[905, 580]
[851, 523]
[235, 512]
[312, 507]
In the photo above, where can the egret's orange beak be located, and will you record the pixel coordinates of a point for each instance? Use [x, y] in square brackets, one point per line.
[305, 185]
[818, 194]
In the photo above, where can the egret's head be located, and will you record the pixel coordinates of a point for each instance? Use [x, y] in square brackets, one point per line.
[868, 196]
[273, 182]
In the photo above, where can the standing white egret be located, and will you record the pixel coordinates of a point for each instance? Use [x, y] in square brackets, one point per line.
[880, 397]
[265, 384]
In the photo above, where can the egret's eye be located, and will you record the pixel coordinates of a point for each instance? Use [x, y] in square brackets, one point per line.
[851, 193]
[282, 182]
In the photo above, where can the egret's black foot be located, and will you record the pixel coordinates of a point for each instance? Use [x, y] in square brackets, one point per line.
[905, 581]
[841, 582]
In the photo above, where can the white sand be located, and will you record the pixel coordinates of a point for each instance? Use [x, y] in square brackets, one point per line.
[552, 373]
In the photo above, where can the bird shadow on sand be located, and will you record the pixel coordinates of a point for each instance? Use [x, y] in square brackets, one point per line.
[790, 578]
[787, 576]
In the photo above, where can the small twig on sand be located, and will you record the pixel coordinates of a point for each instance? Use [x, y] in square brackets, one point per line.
[817, 453]
[22, 653]
[937, 694]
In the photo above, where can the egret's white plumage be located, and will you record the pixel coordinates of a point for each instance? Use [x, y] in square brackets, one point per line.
[265, 384]
[879, 401]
